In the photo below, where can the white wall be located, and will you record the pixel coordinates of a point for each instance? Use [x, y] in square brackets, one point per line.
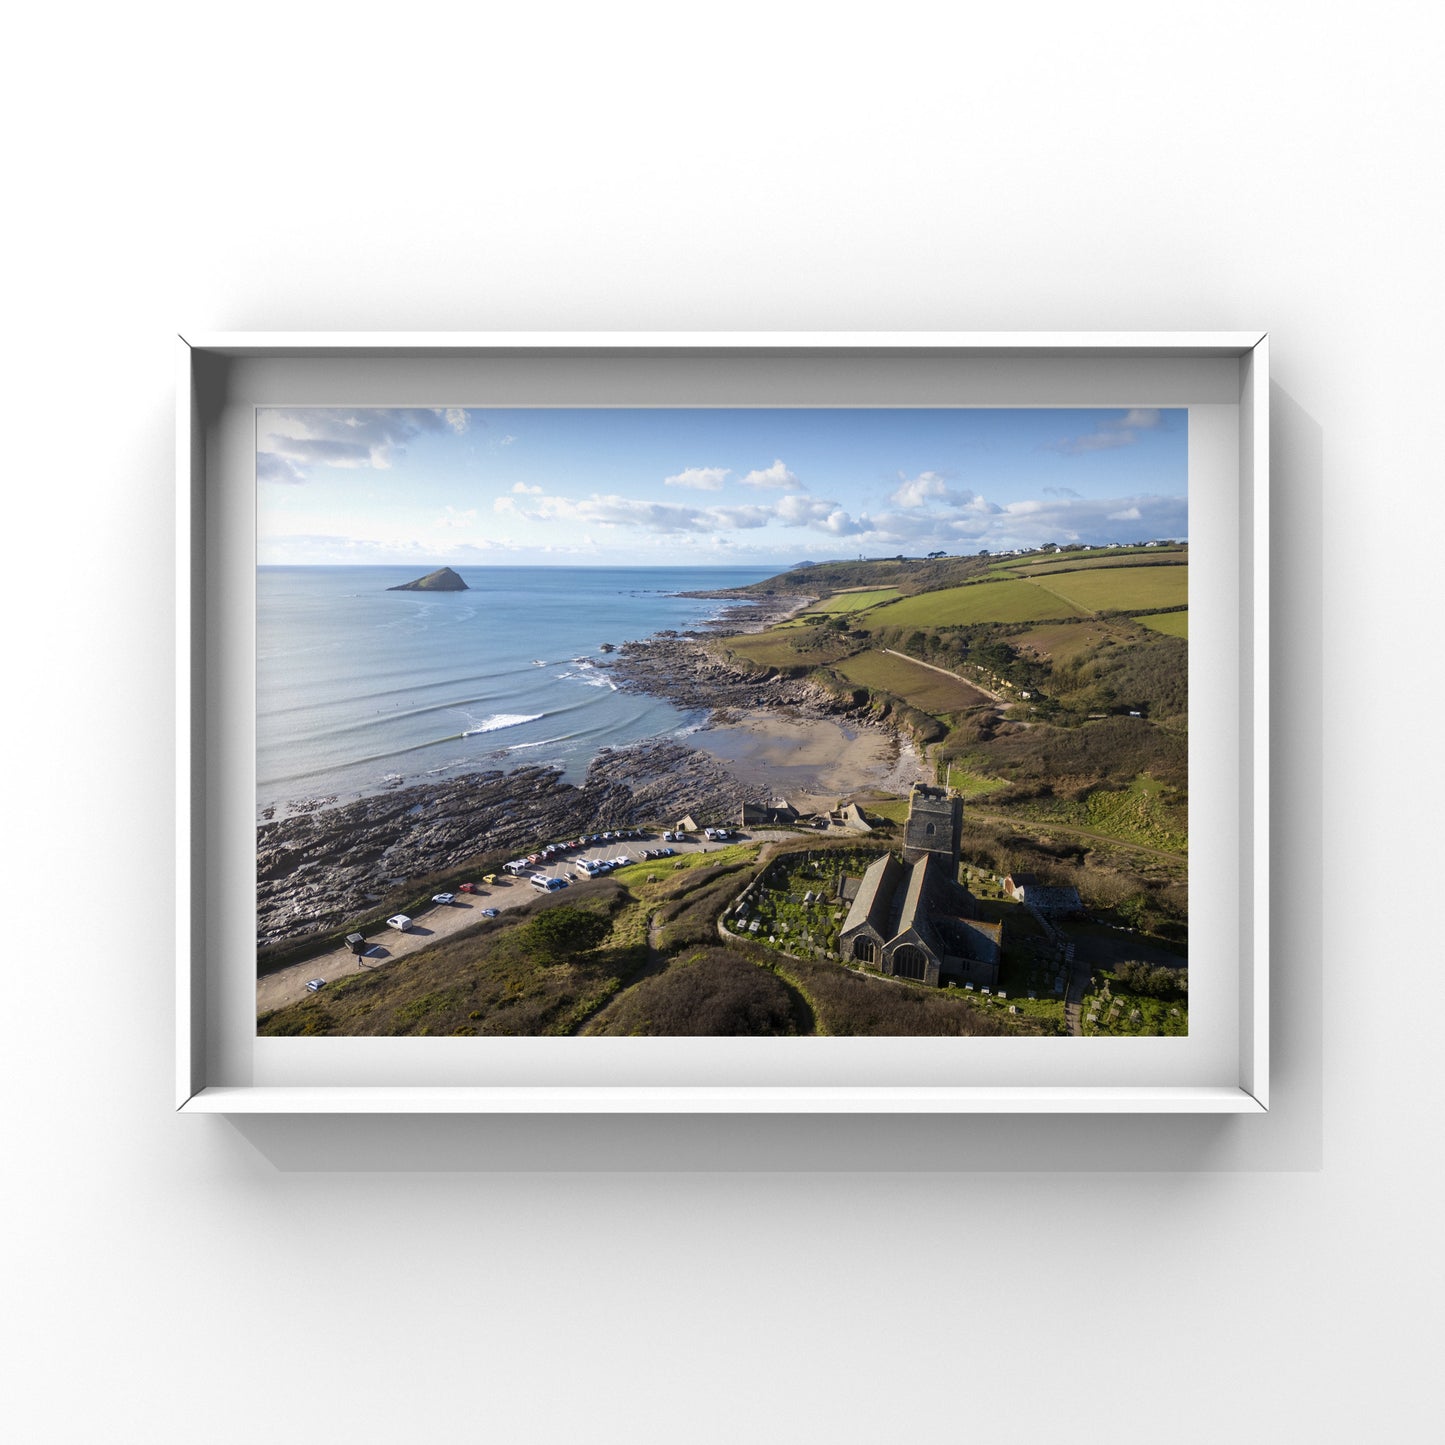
[770, 166]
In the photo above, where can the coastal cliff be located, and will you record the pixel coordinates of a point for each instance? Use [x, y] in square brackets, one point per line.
[442, 580]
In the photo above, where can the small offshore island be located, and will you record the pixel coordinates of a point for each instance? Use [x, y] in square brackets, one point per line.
[442, 580]
[941, 795]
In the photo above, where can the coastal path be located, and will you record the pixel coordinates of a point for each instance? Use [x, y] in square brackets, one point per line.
[287, 985]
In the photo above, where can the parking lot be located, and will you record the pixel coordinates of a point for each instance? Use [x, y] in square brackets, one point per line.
[286, 985]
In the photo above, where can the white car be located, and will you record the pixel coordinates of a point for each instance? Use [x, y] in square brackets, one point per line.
[444, 898]
[399, 921]
[314, 983]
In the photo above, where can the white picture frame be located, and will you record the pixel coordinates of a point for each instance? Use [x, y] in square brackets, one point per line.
[1223, 379]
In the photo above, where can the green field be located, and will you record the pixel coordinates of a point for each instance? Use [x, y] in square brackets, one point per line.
[841, 602]
[971, 784]
[771, 649]
[1005, 601]
[919, 686]
[1125, 589]
[1171, 624]
[1089, 561]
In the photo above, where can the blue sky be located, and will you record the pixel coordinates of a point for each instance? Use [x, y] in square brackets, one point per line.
[772, 487]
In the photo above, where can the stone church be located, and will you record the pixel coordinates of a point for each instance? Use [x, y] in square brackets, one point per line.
[911, 917]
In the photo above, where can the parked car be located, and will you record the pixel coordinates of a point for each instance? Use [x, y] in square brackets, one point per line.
[399, 921]
[314, 983]
[444, 898]
[468, 888]
[490, 912]
[356, 942]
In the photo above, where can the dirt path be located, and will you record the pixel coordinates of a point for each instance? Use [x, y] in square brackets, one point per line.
[956, 676]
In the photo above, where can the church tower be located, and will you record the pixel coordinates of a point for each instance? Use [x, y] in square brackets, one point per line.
[935, 825]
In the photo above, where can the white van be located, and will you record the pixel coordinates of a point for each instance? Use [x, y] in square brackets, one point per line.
[547, 885]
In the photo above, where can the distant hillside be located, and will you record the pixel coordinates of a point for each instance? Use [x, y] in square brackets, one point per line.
[442, 580]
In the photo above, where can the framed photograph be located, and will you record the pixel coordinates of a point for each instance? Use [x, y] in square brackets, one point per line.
[726, 722]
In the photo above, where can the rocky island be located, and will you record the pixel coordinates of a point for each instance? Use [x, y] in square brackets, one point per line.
[442, 580]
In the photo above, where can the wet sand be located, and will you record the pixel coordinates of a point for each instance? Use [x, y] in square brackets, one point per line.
[812, 762]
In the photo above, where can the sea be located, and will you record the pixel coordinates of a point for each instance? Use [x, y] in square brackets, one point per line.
[360, 689]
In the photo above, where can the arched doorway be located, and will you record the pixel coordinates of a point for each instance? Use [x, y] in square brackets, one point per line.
[910, 962]
[865, 950]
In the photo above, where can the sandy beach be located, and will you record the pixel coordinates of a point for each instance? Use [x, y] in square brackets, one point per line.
[812, 762]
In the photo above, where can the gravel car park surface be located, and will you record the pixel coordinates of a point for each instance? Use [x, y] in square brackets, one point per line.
[286, 985]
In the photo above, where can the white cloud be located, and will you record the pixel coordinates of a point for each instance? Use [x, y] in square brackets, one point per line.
[506, 441]
[776, 475]
[929, 487]
[506, 507]
[455, 418]
[273, 467]
[1129, 514]
[703, 479]
[1121, 431]
[451, 517]
[819, 515]
[521, 489]
[310, 437]
[665, 517]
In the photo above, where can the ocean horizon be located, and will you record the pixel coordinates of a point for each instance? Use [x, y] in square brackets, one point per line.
[360, 689]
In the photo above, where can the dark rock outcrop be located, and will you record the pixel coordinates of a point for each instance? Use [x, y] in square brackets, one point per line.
[319, 868]
[442, 580]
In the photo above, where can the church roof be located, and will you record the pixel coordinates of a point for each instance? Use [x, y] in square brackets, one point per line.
[875, 895]
[914, 913]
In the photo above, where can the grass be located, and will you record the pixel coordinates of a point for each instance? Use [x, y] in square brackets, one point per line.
[635, 875]
[487, 980]
[1062, 642]
[706, 992]
[1171, 624]
[842, 602]
[920, 687]
[1008, 600]
[971, 784]
[1144, 812]
[1090, 561]
[787, 647]
[1114, 1016]
[1123, 589]
[895, 810]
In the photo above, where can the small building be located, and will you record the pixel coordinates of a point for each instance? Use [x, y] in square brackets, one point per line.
[1015, 884]
[687, 825]
[779, 812]
[1050, 900]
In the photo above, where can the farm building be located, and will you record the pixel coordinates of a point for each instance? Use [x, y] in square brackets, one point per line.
[911, 918]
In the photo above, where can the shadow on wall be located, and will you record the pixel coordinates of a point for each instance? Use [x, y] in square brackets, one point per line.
[1289, 1138]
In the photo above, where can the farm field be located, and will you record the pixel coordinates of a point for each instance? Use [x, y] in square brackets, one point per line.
[1063, 641]
[843, 602]
[1093, 564]
[1127, 589]
[1099, 557]
[1004, 601]
[921, 687]
[767, 649]
[1171, 624]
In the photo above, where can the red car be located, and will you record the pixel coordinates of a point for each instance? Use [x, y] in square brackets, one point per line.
[466, 887]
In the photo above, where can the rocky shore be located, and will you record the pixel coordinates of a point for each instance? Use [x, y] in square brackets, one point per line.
[680, 668]
[317, 869]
